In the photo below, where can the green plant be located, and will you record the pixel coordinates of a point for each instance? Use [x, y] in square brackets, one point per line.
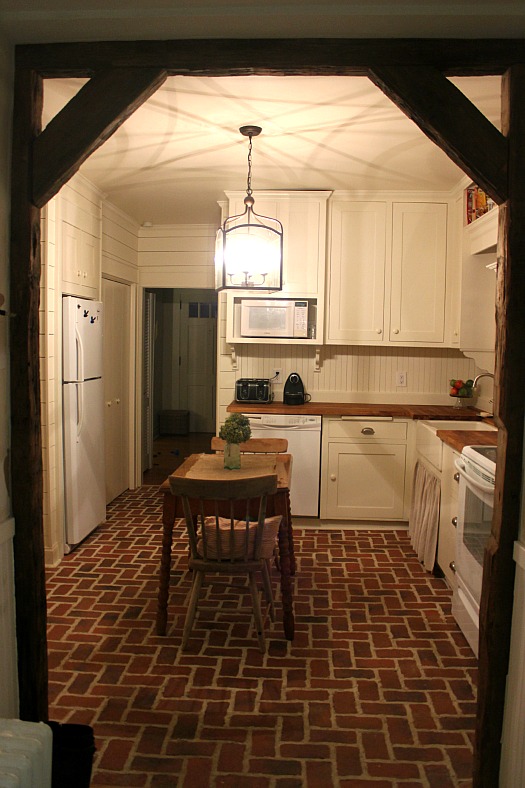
[236, 429]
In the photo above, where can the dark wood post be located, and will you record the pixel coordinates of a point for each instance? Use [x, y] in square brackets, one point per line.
[498, 580]
[26, 441]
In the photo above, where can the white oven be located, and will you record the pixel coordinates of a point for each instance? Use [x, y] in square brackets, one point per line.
[477, 469]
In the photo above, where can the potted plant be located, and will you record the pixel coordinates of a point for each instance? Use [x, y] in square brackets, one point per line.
[235, 430]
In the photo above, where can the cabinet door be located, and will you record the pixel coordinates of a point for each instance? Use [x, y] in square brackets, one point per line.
[304, 237]
[89, 257]
[357, 272]
[71, 240]
[365, 481]
[419, 244]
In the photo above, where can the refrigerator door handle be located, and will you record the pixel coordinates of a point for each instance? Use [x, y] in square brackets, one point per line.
[80, 354]
[80, 409]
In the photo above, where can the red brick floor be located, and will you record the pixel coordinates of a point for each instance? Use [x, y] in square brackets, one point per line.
[378, 688]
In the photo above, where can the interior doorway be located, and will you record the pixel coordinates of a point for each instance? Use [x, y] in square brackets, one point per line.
[180, 404]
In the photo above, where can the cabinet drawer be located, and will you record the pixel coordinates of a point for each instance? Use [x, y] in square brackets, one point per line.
[367, 430]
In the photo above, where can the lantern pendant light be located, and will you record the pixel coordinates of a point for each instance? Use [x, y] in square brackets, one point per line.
[249, 246]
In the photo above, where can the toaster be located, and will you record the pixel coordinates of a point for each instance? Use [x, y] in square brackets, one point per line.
[253, 390]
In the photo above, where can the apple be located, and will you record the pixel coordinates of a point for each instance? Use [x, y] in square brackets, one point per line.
[459, 384]
[453, 392]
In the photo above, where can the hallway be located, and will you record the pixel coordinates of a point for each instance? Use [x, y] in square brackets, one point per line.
[378, 688]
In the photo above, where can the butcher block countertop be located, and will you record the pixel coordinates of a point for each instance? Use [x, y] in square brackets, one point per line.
[359, 409]
[460, 438]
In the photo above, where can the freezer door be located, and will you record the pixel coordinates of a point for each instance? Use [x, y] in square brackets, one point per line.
[82, 325]
[84, 473]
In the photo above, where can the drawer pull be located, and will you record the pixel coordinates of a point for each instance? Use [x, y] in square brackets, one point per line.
[454, 522]
[456, 477]
[452, 565]
[368, 431]
[333, 477]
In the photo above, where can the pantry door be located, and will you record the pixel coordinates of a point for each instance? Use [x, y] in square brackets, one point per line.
[116, 298]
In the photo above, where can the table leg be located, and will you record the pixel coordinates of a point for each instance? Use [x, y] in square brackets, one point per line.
[290, 535]
[286, 568]
[168, 519]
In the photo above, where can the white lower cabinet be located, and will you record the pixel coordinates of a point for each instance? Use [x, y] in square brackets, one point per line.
[446, 549]
[363, 468]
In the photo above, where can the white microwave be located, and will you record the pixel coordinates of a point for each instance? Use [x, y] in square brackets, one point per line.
[273, 317]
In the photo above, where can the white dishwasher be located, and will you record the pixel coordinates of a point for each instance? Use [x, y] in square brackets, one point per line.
[303, 434]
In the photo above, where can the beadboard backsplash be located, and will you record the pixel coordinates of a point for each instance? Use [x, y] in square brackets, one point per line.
[349, 374]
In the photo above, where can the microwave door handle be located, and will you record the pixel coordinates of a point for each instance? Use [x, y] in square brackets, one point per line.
[473, 482]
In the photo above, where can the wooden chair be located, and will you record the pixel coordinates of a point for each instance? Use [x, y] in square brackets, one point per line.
[255, 445]
[221, 541]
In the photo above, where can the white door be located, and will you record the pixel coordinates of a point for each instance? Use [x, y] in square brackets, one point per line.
[117, 300]
[198, 326]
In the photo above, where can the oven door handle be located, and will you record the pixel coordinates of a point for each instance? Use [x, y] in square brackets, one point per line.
[473, 482]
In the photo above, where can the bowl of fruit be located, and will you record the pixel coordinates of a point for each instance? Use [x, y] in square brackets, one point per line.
[461, 389]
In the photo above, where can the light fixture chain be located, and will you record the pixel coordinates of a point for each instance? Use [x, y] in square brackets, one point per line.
[249, 181]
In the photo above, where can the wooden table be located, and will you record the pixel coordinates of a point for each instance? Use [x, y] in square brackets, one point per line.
[205, 466]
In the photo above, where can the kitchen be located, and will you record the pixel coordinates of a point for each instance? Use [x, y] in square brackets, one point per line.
[449, 372]
[363, 349]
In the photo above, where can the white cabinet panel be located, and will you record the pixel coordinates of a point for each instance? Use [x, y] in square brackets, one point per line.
[419, 252]
[356, 289]
[363, 469]
[365, 481]
[303, 216]
[80, 262]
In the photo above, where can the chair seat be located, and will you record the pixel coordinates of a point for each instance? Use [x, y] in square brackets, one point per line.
[237, 543]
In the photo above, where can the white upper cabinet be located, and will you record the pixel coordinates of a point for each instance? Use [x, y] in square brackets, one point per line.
[387, 272]
[356, 288]
[303, 216]
[419, 259]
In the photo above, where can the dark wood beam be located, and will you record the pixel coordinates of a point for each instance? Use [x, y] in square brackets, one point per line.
[88, 120]
[26, 444]
[498, 572]
[216, 57]
[449, 119]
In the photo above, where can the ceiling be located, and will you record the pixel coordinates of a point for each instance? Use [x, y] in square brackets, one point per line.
[171, 162]
[32, 21]
[173, 159]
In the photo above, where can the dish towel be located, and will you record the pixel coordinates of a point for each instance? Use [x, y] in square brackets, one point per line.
[423, 523]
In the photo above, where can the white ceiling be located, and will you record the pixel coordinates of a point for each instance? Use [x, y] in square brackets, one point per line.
[173, 159]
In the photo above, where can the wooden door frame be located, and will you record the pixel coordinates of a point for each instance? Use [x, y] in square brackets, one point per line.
[413, 74]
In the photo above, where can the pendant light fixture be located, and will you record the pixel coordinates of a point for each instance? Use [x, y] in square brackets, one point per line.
[249, 247]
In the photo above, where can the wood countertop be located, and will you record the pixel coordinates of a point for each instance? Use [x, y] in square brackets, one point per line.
[458, 439]
[359, 409]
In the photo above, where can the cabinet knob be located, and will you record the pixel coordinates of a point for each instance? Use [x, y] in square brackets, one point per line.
[452, 565]
[454, 522]
[396, 330]
[379, 330]
[117, 401]
[333, 477]
[368, 431]
[108, 404]
[456, 477]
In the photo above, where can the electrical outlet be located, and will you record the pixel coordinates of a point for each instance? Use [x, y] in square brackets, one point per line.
[401, 378]
[277, 377]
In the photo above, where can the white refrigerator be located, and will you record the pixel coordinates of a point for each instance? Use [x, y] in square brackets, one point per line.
[83, 414]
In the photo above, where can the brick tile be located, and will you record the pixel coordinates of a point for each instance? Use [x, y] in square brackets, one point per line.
[377, 689]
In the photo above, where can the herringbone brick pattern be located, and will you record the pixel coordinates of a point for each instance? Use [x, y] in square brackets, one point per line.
[377, 689]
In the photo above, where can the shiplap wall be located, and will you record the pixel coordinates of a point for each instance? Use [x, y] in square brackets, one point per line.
[50, 410]
[120, 244]
[177, 255]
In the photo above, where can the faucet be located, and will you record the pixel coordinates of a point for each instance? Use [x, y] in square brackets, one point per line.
[482, 375]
